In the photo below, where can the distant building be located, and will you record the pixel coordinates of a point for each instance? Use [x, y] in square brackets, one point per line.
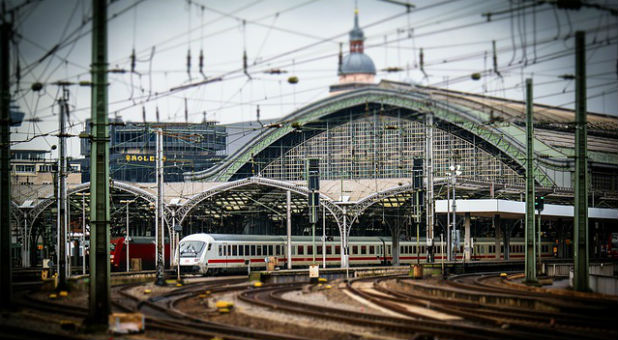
[187, 147]
[34, 167]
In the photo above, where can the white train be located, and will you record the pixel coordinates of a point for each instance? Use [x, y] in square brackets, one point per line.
[202, 253]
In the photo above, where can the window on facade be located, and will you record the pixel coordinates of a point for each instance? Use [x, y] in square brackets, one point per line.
[24, 168]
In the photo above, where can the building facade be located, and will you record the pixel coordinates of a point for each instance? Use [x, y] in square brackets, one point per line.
[187, 147]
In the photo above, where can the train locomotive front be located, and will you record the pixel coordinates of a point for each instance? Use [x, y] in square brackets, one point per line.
[193, 253]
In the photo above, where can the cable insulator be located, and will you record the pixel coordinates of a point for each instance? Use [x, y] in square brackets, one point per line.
[133, 61]
[157, 113]
[189, 63]
[422, 62]
[201, 61]
[186, 112]
[340, 56]
[144, 114]
[493, 44]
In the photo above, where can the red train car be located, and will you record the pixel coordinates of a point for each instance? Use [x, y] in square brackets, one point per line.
[140, 247]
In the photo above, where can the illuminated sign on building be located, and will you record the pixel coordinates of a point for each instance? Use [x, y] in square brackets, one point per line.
[141, 158]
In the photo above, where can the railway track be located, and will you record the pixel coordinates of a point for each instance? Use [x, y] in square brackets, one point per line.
[271, 297]
[160, 314]
[493, 309]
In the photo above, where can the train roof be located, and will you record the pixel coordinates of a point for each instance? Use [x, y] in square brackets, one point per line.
[283, 238]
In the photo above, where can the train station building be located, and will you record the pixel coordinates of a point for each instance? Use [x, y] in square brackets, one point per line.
[392, 156]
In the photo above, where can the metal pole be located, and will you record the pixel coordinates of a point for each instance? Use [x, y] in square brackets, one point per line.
[580, 256]
[6, 289]
[448, 220]
[454, 212]
[418, 232]
[429, 208]
[127, 240]
[323, 237]
[442, 252]
[62, 197]
[99, 307]
[160, 234]
[289, 228]
[530, 229]
[313, 236]
[539, 268]
[83, 241]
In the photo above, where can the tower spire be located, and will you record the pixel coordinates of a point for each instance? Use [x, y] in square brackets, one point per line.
[356, 35]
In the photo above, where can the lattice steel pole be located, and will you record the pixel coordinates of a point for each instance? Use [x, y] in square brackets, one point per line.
[580, 281]
[99, 306]
[429, 208]
[530, 269]
[6, 290]
[160, 218]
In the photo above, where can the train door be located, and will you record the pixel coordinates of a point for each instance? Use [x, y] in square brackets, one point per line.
[226, 250]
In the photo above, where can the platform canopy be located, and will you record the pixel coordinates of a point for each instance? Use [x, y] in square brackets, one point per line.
[514, 209]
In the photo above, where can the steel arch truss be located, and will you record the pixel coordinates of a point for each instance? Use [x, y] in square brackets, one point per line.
[118, 185]
[506, 140]
[183, 211]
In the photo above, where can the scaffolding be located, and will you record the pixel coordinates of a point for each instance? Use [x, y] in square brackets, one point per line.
[385, 147]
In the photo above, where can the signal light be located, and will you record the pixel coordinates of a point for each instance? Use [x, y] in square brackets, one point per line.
[539, 203]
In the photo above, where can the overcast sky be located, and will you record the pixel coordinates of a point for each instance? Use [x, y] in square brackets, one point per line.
[302, 38]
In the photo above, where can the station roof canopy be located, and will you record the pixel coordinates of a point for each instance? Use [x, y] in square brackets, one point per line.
[514, 209]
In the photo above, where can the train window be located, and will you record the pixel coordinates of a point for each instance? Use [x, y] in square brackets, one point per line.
[372, 250]
[241, 250]
[252, 250]
[354, 250]
[309, 250]
[277, 251]
[389, 250]
[264, 250]
[234, 250]
[329, 250]
[413, 250]
[319, 250]
[209, 246]
[363, 250]
[301, 250]
[502, 249]
[337, 249]
[270, 250]
[258, 251]
[247, 250]
[220, 250]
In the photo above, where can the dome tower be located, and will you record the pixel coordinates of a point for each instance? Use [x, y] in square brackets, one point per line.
[356, 67]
